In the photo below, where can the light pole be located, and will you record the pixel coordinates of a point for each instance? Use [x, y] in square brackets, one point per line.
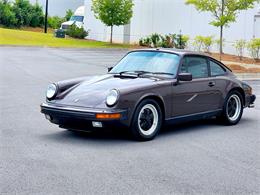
[46, 17]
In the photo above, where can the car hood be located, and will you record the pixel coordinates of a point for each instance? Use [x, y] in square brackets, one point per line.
[93, 92]
[72, 22]
[68, 23]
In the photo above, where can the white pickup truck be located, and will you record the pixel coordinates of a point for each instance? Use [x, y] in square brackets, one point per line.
[77, 19]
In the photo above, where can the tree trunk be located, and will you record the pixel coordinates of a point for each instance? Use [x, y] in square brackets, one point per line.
[221, 42]
[111, 35]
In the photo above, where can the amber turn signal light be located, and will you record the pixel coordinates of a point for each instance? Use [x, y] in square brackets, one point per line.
[108, 116]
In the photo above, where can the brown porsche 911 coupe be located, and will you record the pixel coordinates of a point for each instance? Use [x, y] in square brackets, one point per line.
[147, 89]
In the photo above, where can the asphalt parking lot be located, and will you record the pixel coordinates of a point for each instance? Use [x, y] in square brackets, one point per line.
[37, 157]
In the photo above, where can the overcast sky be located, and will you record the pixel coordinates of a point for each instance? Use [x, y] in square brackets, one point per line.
[59, 7]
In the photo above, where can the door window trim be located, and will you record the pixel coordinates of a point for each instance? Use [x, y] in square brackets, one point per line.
[218, 63]
[198, 56]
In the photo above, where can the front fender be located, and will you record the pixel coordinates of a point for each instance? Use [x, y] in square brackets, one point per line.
[160, 93]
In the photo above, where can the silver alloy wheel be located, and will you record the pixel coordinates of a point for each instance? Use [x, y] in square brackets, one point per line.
[233, 107]
[148, 119]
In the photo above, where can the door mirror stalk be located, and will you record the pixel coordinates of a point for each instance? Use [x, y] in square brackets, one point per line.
[109, 69]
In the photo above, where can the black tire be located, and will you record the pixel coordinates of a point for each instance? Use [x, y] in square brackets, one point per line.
[142, 120]
[226, 116]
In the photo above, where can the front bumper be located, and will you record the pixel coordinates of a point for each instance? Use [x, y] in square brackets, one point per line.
[81, 118]
[252, 101]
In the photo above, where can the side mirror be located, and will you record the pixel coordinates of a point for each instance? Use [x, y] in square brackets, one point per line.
[185, 77]
[109, 69]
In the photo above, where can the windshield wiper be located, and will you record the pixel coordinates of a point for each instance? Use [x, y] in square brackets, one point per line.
[136, 73]
[141, 72]
[156, 73]
[127, 72]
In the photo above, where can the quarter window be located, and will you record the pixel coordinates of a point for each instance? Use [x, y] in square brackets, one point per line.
[216, 69]
[197, 66]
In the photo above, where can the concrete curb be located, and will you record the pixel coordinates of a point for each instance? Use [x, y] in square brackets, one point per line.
[64, 48]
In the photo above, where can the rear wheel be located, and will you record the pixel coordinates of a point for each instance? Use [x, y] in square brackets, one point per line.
[147, 120]
[233, 108]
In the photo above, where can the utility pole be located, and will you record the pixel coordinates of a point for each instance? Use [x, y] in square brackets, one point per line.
[46, 17]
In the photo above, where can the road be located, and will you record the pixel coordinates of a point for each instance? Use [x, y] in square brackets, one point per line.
[37, 157]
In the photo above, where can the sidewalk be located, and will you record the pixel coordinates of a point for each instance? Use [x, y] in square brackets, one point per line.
[245, 65]
[248, 76]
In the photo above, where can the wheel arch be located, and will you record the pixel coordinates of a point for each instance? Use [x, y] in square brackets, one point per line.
[156, 98]
[241, 91]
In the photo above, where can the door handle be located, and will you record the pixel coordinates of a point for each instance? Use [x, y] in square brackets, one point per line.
[212, 84]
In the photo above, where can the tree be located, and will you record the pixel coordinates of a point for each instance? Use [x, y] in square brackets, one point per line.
[113, 12]
[68, 15]
[254, 48]
[55, 21]
[203, 43]
[240, 46]
[7, 17]
[22, 10]
[223, 11]
[37, 19]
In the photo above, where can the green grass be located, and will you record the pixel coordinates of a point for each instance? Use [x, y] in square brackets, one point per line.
[26, 38]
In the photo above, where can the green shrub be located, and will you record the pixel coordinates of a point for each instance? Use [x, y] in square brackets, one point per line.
[22, 10]
[166, 41]
[20, 13]
[180, 41]
[207, 43]
[145, 42]
[202, 43]
[55, 22]
[76, 32]
[28, 14]
[254, 48]
[7, 16]
[68, 15]
[197, 43]
[156, 40]
[240, 47]
[23, 13]
[37, 16]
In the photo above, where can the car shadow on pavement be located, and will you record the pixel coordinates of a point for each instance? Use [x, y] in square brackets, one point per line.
[200, 125]
[122, 135]
[101, 135]
[190, 126]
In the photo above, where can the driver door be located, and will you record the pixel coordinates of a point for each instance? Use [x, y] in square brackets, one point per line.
[196, 96]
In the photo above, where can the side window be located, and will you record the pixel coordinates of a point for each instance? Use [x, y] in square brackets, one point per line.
[197, 66]
[216, 69]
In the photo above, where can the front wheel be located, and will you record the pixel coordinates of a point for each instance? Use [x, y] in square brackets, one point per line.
[147, 120]
[233, 109]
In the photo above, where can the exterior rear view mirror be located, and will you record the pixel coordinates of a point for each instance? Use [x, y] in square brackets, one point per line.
[185, 77]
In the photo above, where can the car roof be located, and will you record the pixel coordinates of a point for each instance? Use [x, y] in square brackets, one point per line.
[174, 51]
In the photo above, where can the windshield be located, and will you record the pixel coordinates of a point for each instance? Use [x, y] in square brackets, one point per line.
[148, 61]
[77, 18]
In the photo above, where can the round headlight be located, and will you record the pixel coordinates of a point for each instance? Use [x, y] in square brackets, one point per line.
[51, 91]
[112, 97]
